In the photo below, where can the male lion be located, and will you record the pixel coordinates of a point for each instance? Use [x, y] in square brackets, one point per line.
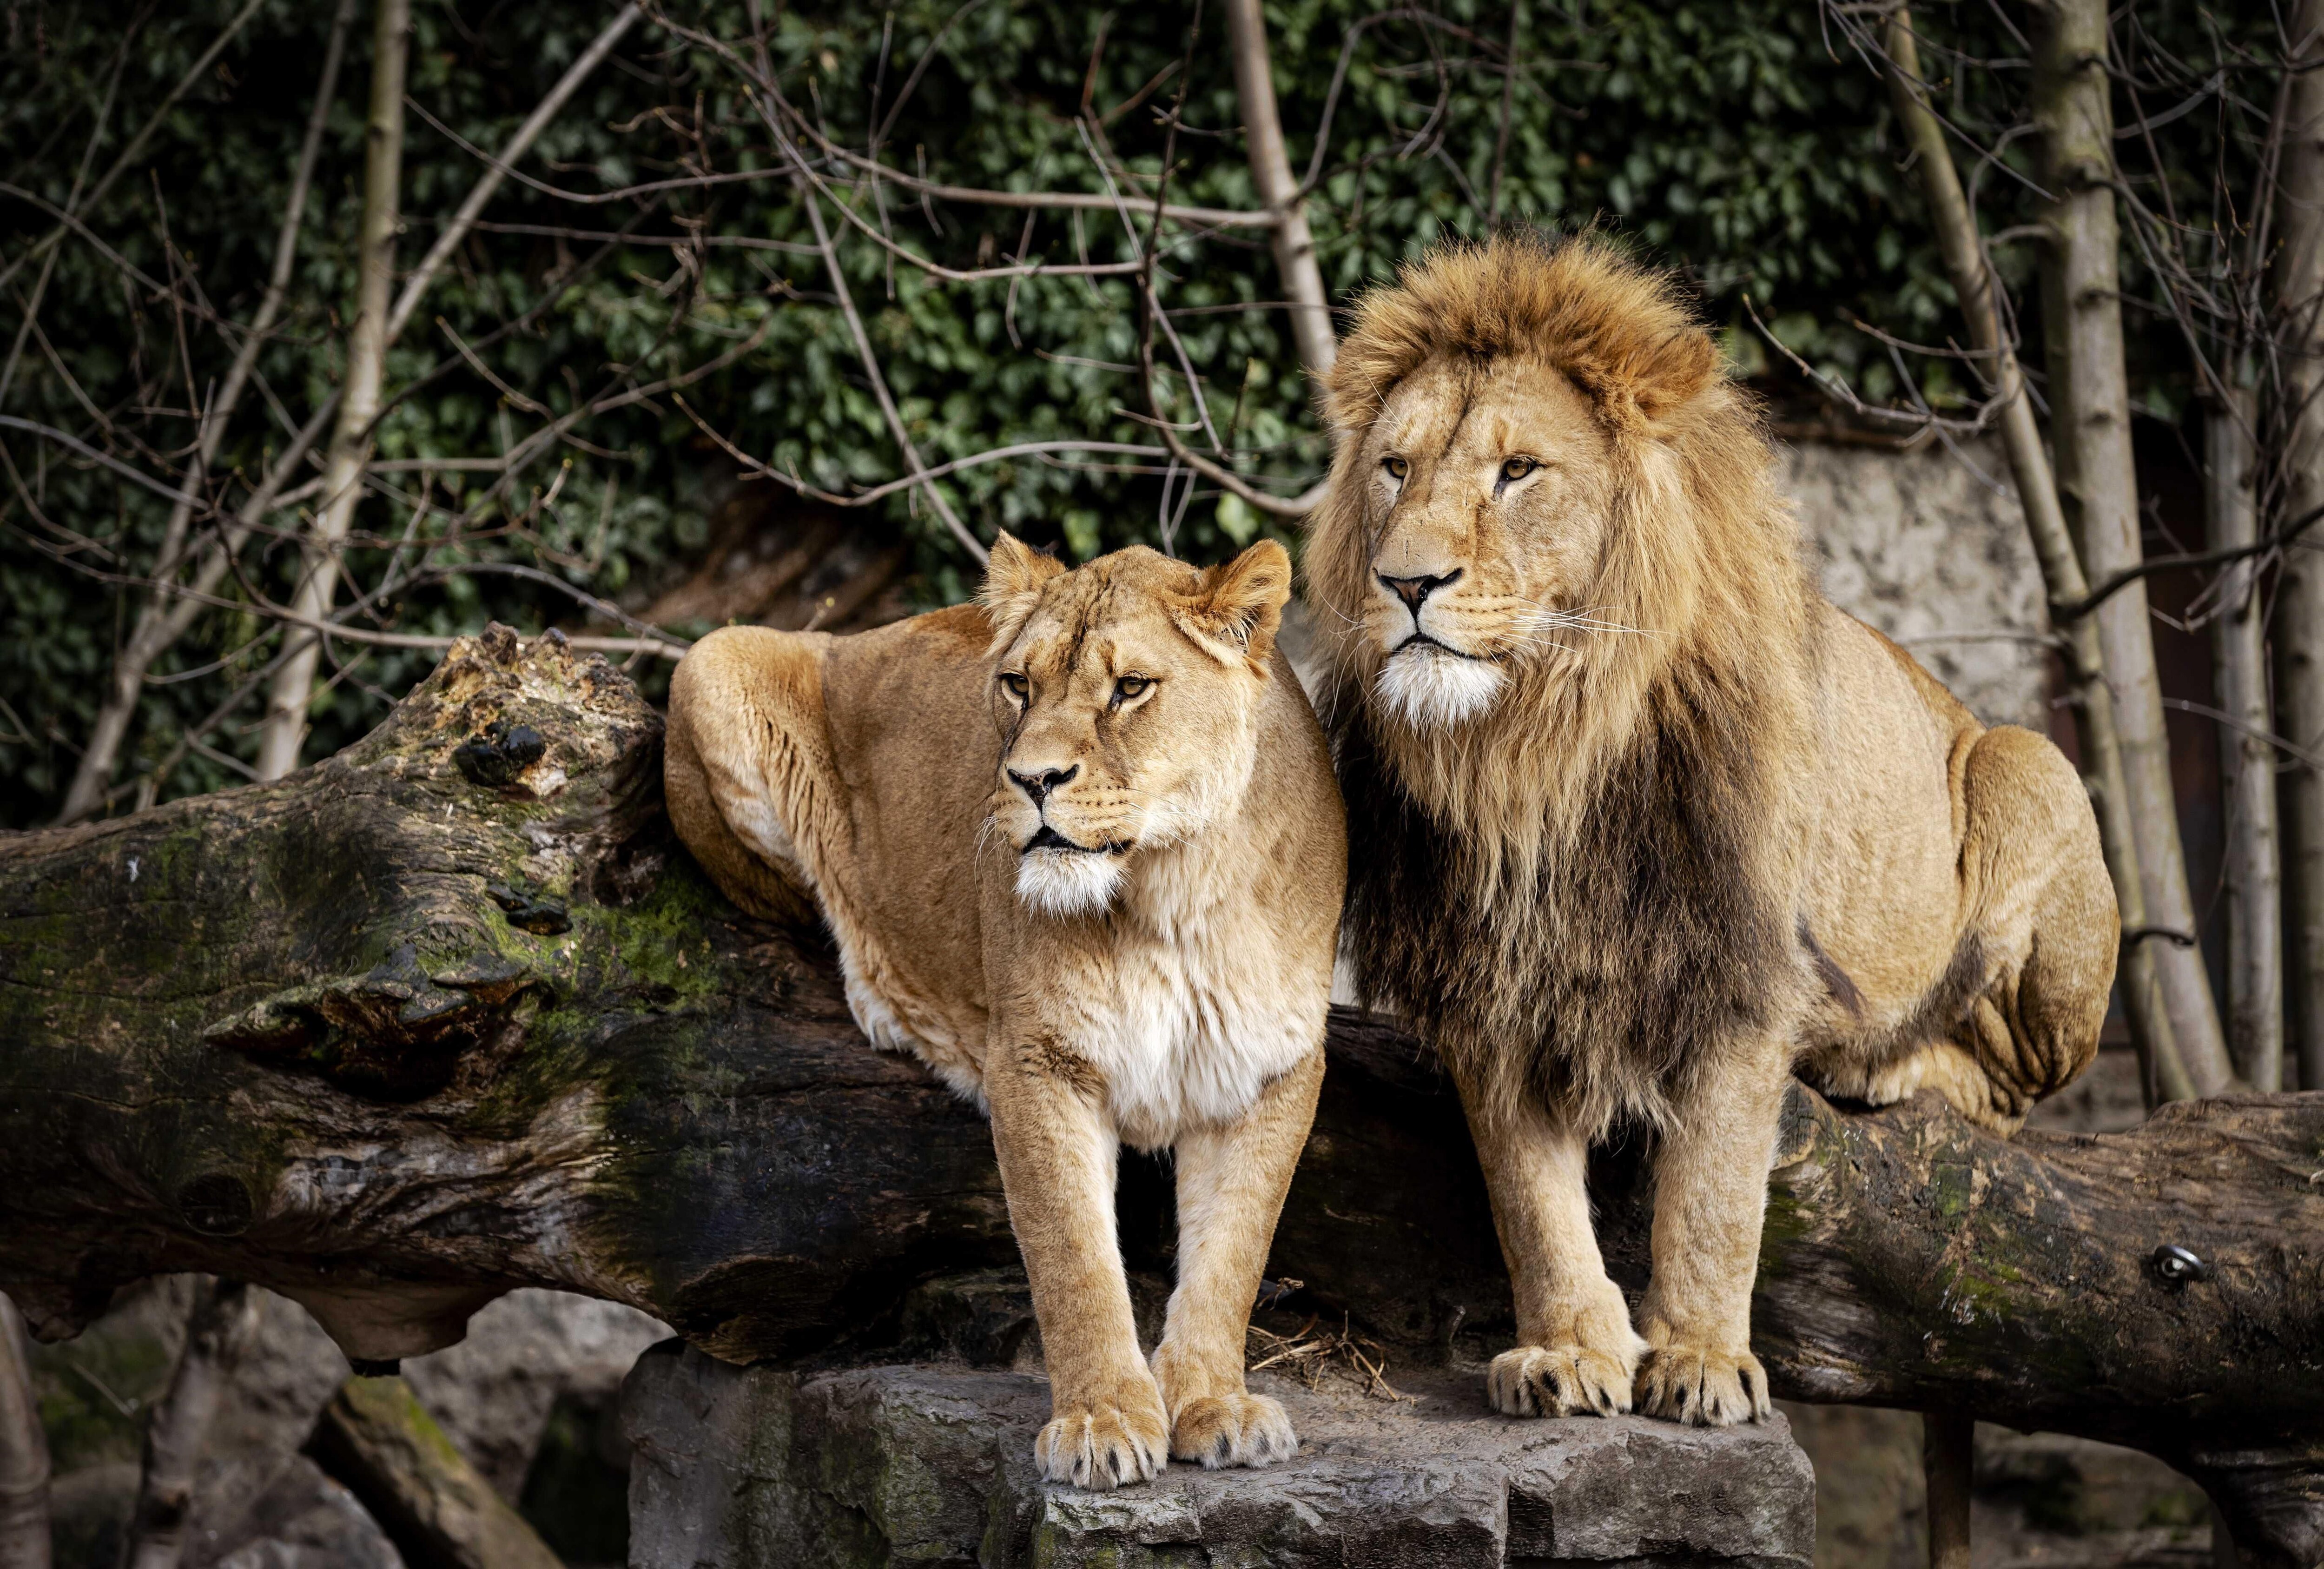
[1646, 822]
[1082, 855]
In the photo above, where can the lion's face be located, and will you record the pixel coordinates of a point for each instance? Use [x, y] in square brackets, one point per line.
[1127, 693]
[1487, 495]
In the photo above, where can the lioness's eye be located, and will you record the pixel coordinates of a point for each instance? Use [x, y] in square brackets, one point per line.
[1517, 468]
[1013, 684]
[1397, 467]
[1130, 686]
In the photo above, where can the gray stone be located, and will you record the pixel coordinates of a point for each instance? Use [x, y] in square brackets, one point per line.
[928, 1464]
[286, 1372]
[492, 1393]
[314, 1523]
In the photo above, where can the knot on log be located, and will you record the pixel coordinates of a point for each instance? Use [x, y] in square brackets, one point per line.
[502, 755]
[393, 1033]
[529, 718]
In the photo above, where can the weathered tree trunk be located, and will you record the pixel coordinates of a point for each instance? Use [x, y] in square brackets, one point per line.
[2247, 755]
[2065, 584]
[23, 1453]
[284, 729]
[451, 1013]
[2298, 287]
[2089, 399]
[178, 1430]
[1279, 188]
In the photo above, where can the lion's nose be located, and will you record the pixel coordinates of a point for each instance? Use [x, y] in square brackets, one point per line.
[1415, 591]
[1037, 785]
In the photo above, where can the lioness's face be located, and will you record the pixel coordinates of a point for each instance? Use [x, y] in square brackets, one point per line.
[1126, 694]
[1487, 506]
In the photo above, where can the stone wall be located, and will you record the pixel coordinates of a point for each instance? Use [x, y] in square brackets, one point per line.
[1931, 549]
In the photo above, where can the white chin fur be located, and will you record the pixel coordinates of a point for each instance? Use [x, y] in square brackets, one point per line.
[1424, 687]
[1062, 882]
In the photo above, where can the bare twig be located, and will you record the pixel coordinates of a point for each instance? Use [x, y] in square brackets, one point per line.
[152, 635]
[515, 148]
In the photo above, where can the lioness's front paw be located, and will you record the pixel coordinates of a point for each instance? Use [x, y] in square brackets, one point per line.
[1564, 1380]
[1703, 1385]
[1103, 1443]
[1232, 1429]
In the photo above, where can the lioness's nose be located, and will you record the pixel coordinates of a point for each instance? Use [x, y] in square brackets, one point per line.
[1038, 785]
[1415, 591]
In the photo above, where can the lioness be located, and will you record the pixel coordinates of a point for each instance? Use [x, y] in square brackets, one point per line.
[1643, 821]
[1082, 850]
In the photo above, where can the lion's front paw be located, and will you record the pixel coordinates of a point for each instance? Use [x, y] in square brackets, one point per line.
[1233, 1429]
[1103, 1443]
[1703, 1385]
[1564, 1380]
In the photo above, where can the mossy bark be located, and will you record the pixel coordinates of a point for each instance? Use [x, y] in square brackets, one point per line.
[451, 1013]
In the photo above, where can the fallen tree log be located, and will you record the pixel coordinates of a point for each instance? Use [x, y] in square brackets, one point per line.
[451, 1013]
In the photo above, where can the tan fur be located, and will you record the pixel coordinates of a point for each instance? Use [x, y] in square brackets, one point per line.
[1167, 985]
[1656, 824]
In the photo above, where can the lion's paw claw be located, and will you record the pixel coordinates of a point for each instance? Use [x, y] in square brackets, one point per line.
[1703, 1385]
[1103, 1445]
[1237, 1429]
[1565, 1380]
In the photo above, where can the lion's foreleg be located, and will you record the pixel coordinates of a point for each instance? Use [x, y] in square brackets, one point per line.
[1710, 1198]
[1231, 1182]
[1576, 1352]
[1057, 1156]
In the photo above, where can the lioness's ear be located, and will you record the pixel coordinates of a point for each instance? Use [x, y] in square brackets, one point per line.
[1239, 606]
[1012, 585]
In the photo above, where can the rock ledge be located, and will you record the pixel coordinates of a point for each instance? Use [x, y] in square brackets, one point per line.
[928, 1464]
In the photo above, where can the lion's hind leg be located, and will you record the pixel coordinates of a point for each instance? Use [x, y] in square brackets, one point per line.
[2017, 1015]
[745, 740]
[2044, 922]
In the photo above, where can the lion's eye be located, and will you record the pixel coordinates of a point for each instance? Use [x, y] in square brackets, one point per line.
[1397, 467]
[1013, 684]
[1517, 468]
[1130, 686]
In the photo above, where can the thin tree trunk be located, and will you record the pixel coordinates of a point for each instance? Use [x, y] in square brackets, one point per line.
[2246, 756]
[23, 1453]
[217, 1332]
[155, 632]
[1279, 188]
[284, 729]
[2090, 398]
[2064, 579]
[2300, 593]
[1508, 96]
[1948, 1461]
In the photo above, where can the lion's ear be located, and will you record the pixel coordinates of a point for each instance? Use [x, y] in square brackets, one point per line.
[1652, 381]
[1012, 585]
[1235, 612]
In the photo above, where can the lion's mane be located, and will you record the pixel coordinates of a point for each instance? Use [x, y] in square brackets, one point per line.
[1580, 894]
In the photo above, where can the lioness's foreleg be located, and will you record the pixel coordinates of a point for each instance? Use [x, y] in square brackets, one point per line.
[1711, 1198]
[1058, 1154]
[1232, 1181]
[1576, 1351]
